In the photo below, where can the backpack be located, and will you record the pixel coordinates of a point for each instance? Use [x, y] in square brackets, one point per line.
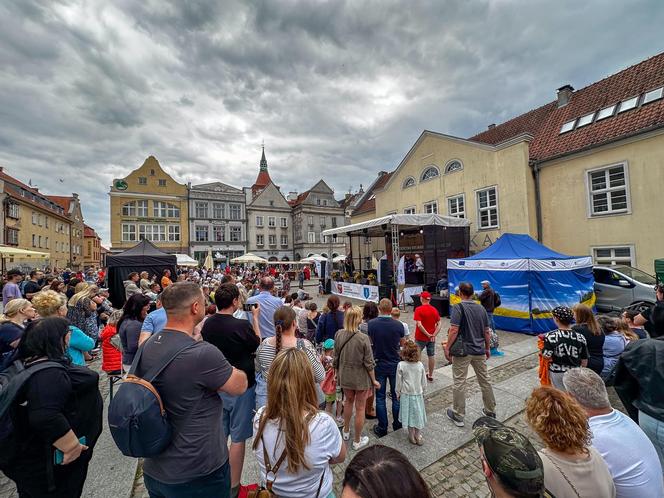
[496, 300]
[12, 380]
[136, 415]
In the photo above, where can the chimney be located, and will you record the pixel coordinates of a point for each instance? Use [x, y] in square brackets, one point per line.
[291, 196]
[492, 126]
[564, 94]
[382, 173]
[74, 195]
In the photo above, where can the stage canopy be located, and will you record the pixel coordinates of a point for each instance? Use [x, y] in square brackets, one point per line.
[144, 256]
[186, 260]
[530, 278]
[374, 227]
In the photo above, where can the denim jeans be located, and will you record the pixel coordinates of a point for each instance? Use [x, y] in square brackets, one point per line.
[381, 406]
[214, 485]
[654, 429]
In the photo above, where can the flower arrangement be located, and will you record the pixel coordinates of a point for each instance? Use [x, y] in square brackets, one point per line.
[357, 276]
[372, 278]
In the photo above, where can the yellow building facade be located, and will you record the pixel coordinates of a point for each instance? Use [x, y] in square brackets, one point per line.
[149, 204]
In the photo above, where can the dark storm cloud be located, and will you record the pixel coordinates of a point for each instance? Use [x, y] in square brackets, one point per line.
[338, 90]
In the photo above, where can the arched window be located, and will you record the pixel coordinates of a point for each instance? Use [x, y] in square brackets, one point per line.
[324, 254]
[429, 173]
[452, 166]
[409, 182]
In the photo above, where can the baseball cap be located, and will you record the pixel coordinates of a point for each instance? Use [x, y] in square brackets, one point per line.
[511, 456]
[485, 282]
[425, 295]
[328, 344]
[14, 271]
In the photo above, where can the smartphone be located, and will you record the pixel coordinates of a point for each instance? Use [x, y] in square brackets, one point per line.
[249, 307]
[59, 456]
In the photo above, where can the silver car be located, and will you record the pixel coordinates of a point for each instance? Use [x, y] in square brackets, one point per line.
[619, 287]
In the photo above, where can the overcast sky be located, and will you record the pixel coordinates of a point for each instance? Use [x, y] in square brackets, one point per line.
[337, 90]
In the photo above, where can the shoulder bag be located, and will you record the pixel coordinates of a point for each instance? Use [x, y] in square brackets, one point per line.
[458, 349]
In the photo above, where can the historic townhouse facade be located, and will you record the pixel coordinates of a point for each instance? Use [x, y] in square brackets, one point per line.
[149, 204]
[581, 173]
[217, 221]
[33, 221]
[91, 248]
[316, 210]
[72, 207]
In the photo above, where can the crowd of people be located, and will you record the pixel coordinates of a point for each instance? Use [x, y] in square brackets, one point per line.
[254, 361]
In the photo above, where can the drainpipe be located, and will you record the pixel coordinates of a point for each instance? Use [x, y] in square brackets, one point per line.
[535, 167]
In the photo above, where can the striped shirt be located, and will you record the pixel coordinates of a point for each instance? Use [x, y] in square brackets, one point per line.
[266, 353]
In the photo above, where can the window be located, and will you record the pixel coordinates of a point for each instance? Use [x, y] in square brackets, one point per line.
[160, 209]
[453, 166]
[322, 221]
[174, 233]
[259, 221]
[217, 210]
[235, 211]
[271, 221]
[13, 211]
[236, 234]
[142, 180]
[128, 232]
[219, 233]
[608, 190]
[409, 210]
[45, 221]
[429, 173]
[202, 233]
[622, 255]
[201, 209]
[34, 240]
[431, 207]
[607, 112]
[155, 233]
[311, 237]
[272, 239]
[653, 95]
[487, 208]
[324, 202]
[284, 223]
[311, 221]
[284, 240]
[585, 120]
[39, 240]
[46, 242]
[173, 211]
[260, 239]
[409, 182]
[12, 236]
[323, 239]
[456, 206]
[333, 219]
[317, 201]
[628, 104]
[569, 126]
[162, 183]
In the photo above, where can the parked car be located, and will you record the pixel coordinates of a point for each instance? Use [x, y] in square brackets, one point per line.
[622, 286]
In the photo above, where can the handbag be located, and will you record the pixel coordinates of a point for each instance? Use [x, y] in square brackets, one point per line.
[457, 348]
[116, 342]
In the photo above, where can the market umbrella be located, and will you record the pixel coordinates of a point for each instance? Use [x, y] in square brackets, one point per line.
[339, 259]
[249, 258]
[209, 262]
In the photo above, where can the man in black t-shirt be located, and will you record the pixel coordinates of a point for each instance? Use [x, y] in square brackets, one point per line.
[238, 341]
[32, 286]
[653, 318]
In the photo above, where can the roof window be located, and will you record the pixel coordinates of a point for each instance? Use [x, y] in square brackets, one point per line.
[585, 120]
[607, 112]
[569, 126]
[628, 104]
[653, 95]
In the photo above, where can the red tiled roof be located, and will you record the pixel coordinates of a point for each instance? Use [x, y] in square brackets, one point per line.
[12, 187]
[369, 203]
[299, 199]
[89, 232]
[63, 201]
[544, 123]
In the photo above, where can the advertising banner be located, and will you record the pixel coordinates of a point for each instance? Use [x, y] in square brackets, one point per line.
[356, 291]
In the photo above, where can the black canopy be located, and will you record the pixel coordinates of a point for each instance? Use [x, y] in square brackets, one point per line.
[144, 256]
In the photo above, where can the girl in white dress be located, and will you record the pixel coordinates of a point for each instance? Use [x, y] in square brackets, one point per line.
[411, 383]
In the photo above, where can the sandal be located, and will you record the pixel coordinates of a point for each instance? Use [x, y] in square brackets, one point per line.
[430, 378]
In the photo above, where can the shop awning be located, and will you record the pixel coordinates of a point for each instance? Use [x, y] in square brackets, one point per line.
[374, 227]
[16, 253]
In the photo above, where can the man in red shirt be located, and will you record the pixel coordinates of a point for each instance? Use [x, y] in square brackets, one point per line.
[427, 326]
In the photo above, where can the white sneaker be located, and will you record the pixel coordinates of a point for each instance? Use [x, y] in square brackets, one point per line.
[345, 435]
[364, 440]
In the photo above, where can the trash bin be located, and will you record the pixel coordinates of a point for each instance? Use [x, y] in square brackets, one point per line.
[659, 270]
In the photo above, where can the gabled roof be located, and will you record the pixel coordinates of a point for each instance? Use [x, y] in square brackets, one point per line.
[368, 203]
[544, 123]
[89, 232]
[270, 187]
[14, 188]
[65, 202]
[224, 187]
[305, 195]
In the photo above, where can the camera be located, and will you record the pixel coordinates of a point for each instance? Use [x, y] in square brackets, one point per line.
[249, 307]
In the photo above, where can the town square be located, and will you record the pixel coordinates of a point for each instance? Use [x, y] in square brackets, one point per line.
[318, 249]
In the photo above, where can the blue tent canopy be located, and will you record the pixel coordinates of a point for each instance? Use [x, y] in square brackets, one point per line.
[530, 278]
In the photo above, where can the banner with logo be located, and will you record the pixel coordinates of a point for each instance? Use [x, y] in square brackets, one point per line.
[356, 291]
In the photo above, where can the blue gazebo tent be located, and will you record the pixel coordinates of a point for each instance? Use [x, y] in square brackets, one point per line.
[530, 278]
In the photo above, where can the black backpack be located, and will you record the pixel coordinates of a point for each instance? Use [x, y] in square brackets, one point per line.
[12, 380]
[496, 300]
[136, 415]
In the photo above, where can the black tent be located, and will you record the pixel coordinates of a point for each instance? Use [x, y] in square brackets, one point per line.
[144, 256]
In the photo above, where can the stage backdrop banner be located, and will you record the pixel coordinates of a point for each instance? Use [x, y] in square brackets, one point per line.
[356, 291]
[407, 294]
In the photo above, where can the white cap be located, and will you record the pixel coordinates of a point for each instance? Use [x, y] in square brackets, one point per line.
[485, 282]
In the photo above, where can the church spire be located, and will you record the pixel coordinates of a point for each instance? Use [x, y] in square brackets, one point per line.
[263, 160]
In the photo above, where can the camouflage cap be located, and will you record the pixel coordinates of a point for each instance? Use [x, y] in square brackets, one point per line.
[511, 456]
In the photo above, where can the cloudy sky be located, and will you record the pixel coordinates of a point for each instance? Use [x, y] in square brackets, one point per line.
[338, 90]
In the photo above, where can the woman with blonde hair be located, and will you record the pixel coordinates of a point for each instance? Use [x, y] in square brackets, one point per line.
[82, 309]
[50, 303]
[354, 364]
[572, 467]
[285, 325]
[588, 326]
[16, 314]
[295, 442]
